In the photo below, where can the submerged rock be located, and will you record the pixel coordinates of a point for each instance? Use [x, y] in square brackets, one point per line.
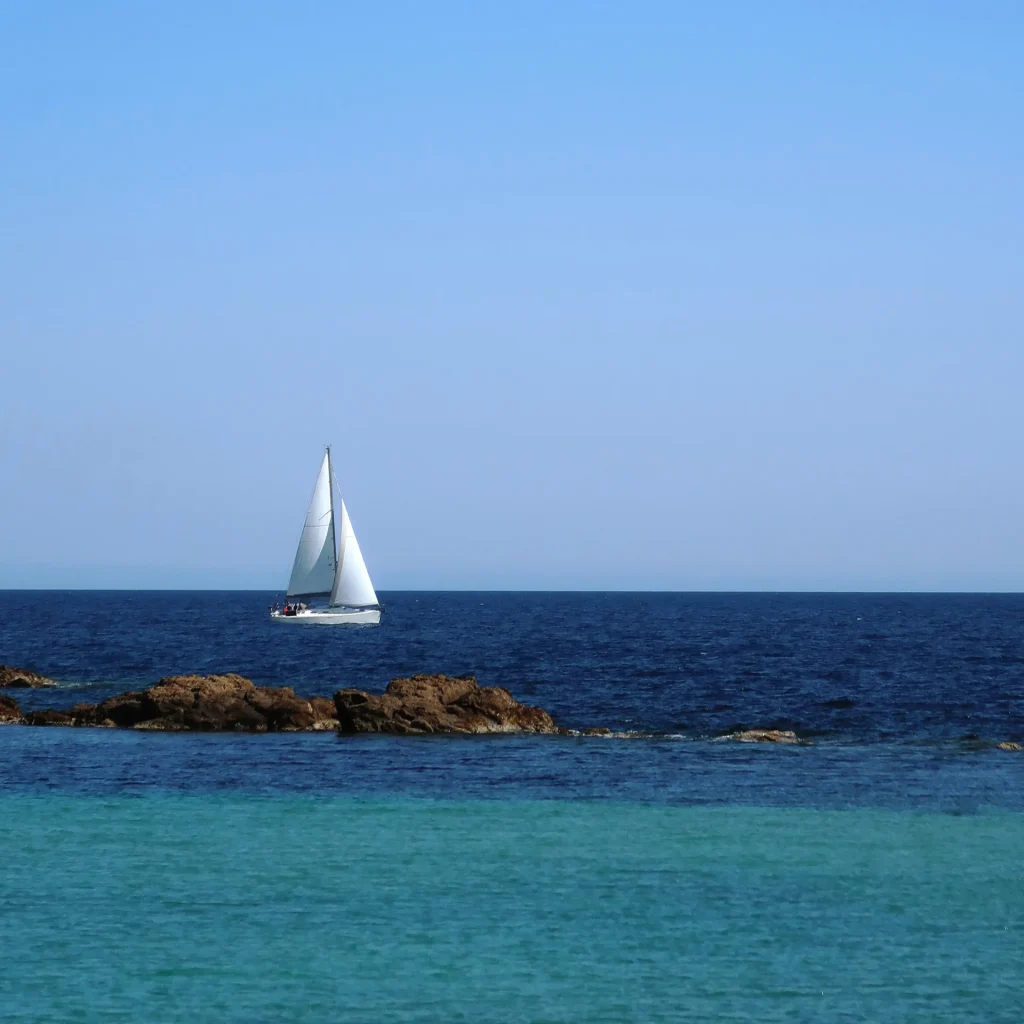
[763, 736]
[425, 704]
[22, 678]
[205, 703]
[838, 703]
[10, 713]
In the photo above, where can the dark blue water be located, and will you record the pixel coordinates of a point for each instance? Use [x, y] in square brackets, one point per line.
[902, 697]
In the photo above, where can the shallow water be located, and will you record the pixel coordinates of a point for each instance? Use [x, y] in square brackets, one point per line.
[234, 908]
[874, 874]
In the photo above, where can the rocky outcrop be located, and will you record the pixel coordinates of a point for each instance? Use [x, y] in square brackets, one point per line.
[206, 703]
[22, 678]
[438, 704]
[1009, 745]
[763, 736]
[420, 704]
[50, 716]
[10, 713]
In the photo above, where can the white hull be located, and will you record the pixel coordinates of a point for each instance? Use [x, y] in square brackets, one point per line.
[332, 616]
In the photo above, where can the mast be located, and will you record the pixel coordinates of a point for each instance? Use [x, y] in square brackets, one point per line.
[334, 538]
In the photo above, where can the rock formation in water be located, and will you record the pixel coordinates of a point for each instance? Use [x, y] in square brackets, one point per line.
[763, 736]
[22, 678]
[1009, 745]
[438, 704]
[207, 703]
[10, 713]
[421, 704]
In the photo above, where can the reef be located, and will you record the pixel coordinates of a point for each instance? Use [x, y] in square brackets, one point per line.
[202, 703]
[22, 678]
[763, 736]
[418, 704]
[438, 704]
[10, 713]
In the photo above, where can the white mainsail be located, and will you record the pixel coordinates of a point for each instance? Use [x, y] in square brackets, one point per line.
[352, 586]
[314, 569]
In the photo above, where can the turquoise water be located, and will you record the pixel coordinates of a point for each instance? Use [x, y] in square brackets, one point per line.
[201, 907]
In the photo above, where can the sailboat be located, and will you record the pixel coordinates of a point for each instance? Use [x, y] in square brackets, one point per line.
[326, 567]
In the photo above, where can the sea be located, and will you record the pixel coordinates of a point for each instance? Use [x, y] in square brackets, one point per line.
[873, 872]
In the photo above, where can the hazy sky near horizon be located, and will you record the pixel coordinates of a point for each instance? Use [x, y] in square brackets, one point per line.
[648, 295]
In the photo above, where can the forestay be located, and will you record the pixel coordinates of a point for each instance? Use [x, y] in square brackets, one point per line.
[352, 586]
[313, 571]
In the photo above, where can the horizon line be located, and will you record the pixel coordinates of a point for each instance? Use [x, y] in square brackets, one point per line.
[511, 590]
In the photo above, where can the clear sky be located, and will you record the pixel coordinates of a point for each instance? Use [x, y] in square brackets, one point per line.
[616, 296]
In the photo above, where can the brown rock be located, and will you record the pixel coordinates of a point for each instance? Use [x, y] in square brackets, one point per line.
[49, 717]
[21, 677]
[438, 704]
[763, 736]
[325, 714]
[409, 706]
[124, 710]
[207, 703]
[10, 713]
[1008, 745]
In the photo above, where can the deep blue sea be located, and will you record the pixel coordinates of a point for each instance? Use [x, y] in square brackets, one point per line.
[872, 874]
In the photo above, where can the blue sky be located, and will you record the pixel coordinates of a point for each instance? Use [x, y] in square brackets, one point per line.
[721, 296]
